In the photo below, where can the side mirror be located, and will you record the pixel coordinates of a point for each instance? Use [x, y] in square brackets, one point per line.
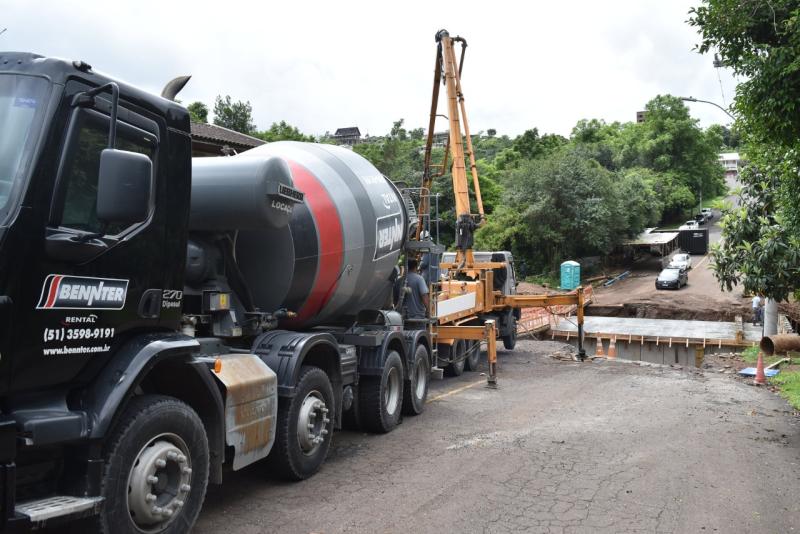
[123, 187]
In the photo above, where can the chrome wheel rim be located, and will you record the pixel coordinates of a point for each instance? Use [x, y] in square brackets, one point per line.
[312, 423]
[391, 394]
[422, 379]
[159, 482]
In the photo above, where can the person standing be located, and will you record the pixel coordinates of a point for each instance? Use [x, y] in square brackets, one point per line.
[417, 298]
[757, 309]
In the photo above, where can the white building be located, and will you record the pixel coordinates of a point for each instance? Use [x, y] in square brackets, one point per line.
[730, 161]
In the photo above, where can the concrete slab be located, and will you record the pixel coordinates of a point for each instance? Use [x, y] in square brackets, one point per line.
[664, 328]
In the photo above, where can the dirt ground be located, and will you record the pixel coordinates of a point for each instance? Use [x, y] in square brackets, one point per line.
[561, 446]
[701, 299]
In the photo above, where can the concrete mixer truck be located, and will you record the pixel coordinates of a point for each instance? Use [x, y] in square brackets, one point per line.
[164, 321]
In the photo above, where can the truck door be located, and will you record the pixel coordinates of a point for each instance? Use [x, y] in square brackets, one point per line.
[94, 284]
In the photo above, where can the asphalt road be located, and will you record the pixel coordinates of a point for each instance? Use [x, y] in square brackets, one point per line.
[559, 447]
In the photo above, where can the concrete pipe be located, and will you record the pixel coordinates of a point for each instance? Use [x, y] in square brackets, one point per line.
[779, 344]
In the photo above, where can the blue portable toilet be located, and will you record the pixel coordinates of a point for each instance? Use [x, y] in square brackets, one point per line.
[570, 274]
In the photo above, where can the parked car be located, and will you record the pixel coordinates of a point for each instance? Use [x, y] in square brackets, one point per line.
[681, 261]
[671, 278]
[708, 212]
[700, 218]
[689, 225]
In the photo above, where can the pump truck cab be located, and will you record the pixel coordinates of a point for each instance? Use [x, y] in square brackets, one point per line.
[157, 329]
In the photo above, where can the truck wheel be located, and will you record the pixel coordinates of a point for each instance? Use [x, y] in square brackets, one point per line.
[381, 397]
[416, 388]
[304, 431]
[473, 355]
[510, 339]
[457, 367]
[156, 468]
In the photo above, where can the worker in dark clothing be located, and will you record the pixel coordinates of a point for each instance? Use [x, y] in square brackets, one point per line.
[417, 298]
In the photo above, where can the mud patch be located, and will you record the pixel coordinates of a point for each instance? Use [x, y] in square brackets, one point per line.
[650, 310]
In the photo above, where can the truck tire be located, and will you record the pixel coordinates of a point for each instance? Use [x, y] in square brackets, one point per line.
[381, 397]
[304, 430]
[458, 351]
[473, 355]
[416, 387]
[510, 339]
[156, 468]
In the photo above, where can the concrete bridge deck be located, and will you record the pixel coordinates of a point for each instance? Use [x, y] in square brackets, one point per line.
[664, 341]
[663, 328]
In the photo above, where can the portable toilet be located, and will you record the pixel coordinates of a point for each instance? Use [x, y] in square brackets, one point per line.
[570, 274]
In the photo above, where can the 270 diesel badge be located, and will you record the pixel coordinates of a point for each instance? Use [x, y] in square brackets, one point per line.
[61, 292]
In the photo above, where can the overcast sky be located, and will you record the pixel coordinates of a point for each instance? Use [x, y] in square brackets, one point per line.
[324, 65]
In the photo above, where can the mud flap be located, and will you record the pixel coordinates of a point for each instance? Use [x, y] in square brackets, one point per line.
[251, 406]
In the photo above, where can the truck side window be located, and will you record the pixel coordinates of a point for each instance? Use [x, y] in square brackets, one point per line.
[79, 179]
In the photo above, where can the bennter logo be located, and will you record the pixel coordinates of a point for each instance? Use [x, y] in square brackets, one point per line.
[62, 292]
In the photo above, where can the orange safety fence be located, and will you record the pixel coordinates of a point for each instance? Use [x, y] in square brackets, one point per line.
[535, 319]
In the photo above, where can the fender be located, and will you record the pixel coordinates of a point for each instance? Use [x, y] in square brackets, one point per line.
[117, 382]
[124, 372]
[372, 359]
[285, 352]
[412, 339]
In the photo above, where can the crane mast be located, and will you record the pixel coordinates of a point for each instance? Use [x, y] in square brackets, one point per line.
[465, 292]
[447, 72]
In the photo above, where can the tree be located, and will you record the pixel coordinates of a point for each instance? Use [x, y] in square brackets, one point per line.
[531, 146]
[283, 131]
[198, 112]
[558, 206]
[760, 42]
[670, 140]
[237, 116]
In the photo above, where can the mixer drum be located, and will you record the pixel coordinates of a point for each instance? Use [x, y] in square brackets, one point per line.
[337, 254]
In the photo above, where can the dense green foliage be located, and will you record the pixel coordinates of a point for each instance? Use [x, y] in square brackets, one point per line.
[283, 131]
[198, 112]
[549, 198]
[237, 116]
[760, 41]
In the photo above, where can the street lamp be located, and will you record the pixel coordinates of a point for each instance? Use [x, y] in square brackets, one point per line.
[693, 99]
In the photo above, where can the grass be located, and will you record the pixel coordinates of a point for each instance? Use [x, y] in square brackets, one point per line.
[750, 355]
[789, 384]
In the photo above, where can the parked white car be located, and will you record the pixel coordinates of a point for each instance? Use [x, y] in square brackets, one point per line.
[708, 213]
[689, 225]
[681, 261]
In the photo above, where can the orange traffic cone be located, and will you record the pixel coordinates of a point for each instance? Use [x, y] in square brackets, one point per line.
[612, 348]
[760, 378]
[599, 351]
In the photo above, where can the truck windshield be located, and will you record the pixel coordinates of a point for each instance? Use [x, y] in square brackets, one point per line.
[22, 103]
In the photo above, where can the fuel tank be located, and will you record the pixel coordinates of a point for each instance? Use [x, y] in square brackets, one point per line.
[336, 256]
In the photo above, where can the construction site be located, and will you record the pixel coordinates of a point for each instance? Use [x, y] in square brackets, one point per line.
[209, 327]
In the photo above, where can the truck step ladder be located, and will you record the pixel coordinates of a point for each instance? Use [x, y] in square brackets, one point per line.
[41, 510]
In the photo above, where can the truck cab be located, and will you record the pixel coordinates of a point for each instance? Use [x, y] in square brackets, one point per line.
[94, 197]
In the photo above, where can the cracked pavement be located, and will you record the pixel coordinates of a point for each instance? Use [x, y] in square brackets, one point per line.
[560, 447]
